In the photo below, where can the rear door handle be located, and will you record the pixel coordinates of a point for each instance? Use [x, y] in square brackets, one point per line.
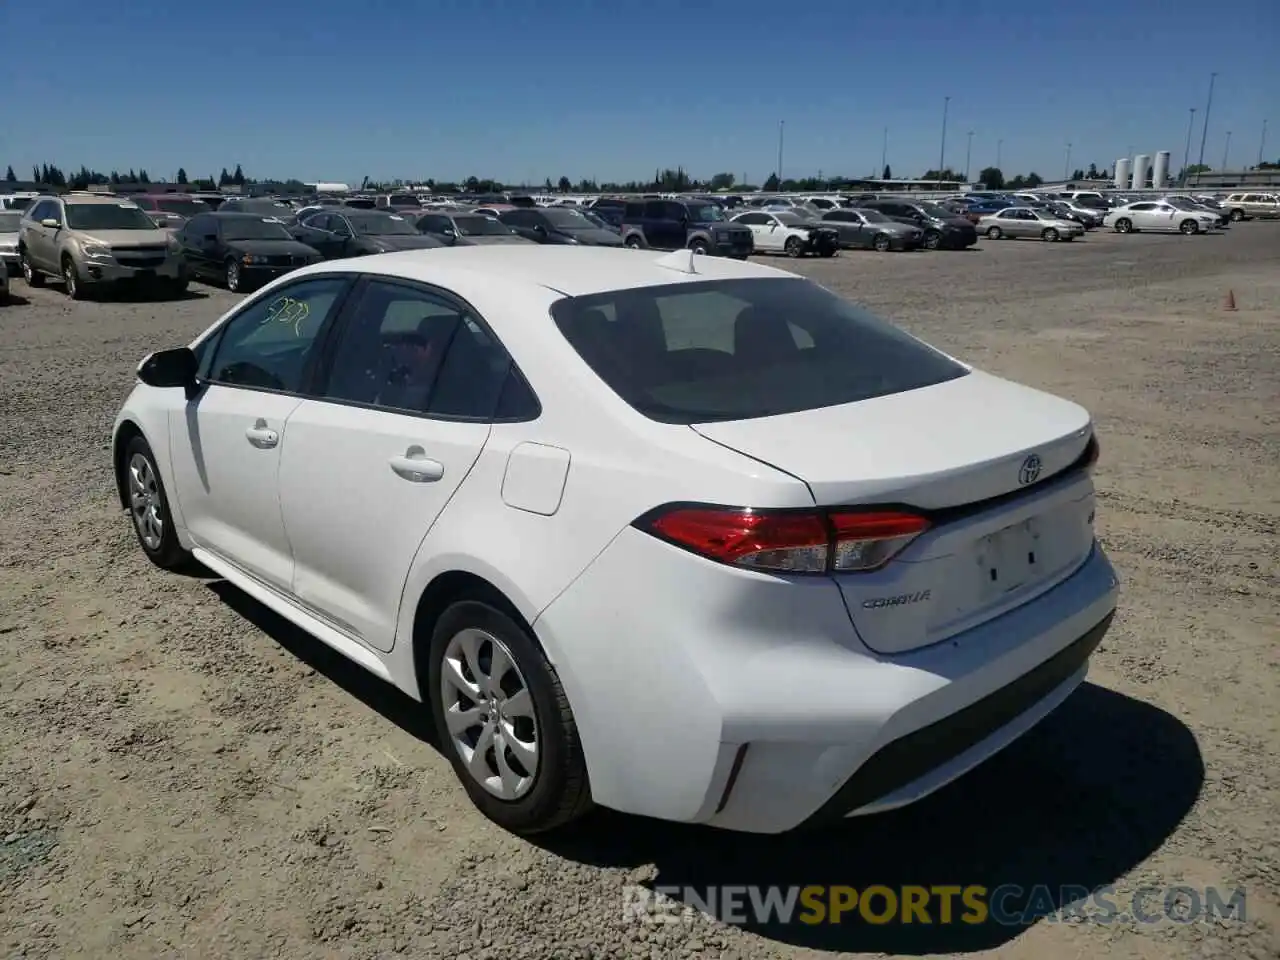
[415, 466]
[262, 436]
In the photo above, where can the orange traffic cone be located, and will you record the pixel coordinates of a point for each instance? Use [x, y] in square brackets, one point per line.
[1229, 302]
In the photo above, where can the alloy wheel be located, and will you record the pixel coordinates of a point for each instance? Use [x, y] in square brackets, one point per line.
[145, 503]
[489, 713]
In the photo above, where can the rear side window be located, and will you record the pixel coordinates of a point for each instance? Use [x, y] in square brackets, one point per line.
[738, 349]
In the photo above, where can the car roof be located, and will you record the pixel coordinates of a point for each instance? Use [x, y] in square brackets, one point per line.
[234, 215]
[572, 271]
[86, 198]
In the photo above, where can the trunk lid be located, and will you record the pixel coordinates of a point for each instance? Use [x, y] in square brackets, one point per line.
[981, 456]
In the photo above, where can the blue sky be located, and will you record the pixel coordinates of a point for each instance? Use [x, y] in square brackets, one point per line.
[521, 90]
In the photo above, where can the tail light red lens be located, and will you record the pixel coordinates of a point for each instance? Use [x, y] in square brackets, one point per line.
[788, 541]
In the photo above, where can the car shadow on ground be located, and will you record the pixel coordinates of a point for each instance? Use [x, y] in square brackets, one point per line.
[1078, 802]
[402, 710]
[13, 300]
[122, 293]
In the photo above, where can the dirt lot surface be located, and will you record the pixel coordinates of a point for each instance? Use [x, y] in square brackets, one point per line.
[183, 775]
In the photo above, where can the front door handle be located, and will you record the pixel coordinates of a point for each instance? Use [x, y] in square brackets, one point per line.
[415, 466]
[262, 436]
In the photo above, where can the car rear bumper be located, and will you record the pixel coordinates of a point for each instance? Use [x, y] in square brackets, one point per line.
[747, 702]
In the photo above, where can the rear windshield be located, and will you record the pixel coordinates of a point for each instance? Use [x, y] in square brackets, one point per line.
[738, 349]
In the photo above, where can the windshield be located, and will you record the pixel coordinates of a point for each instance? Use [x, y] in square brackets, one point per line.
[710, 213]
[874, 216]
[738, 349]
[382, 225]
[481, 227]
[566, 219]
[251, 228]
[185, 208]
[263, 208]
[404, 200]
[933, 210]
[107, 216]
[9, 220]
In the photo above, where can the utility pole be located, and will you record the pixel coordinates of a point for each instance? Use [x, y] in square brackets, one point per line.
[968, 152]
[942, 152]
[1226, 150]
[1204, 135]
[1066, 164]
[1186, 154]
[1262, 144]
[884, 152]
[999, 151]
[781, 126]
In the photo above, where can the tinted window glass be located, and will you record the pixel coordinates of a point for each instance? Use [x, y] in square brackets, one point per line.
[392, 348]
[737, 349]
[254, 228]
[267, 345]
[107, 216]
[474, 373]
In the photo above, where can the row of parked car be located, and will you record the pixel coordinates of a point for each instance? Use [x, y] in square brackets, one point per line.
[88, 240]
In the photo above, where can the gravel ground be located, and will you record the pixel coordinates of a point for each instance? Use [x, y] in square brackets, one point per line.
[182, 774]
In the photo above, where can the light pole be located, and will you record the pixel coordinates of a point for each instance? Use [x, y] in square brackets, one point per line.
[1066, 164]
[1204, 135]
[1262, 144]
[942, 152]
[884, 152]
[1226, 150]
[968, 152]
[1186, 154]
[781, 126]
[999, 151]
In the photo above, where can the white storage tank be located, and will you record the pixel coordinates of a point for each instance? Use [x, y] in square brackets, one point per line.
[1160, 174]
[1124, 168]
[1141, 163]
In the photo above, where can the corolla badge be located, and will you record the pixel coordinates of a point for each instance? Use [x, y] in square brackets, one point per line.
[1030, 470]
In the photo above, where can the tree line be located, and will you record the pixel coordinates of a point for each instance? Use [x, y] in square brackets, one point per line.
[54, 176]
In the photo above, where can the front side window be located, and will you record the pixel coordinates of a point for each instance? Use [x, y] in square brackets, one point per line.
[738, 349]
[267, 345]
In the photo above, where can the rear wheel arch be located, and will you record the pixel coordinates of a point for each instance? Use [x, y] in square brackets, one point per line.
[443, 591]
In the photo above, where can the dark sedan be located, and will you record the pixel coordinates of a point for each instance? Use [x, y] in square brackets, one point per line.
[872, 230]
[242, 250]
[346, 232]
[942, 228]
[467, 229]
[559, 225]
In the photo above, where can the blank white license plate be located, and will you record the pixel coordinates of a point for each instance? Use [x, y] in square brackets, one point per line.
[1008, 558]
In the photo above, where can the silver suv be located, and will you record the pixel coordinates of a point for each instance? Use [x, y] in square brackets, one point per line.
[90, 240]
[1246, 206]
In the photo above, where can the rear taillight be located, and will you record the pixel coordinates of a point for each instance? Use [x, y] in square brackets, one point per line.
[788, 541]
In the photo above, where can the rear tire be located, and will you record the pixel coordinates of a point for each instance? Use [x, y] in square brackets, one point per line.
[71, 278]
[994, 233]
[559, 791]
[882, 243]
[1189, 227]
[1124, 225]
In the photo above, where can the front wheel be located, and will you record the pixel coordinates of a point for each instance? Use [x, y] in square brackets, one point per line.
[1050, 235]
[1237, 215]
[30, 274]
[882, 242]
[633, 242]
[71, 278]
[508, 729]
[994, 233]
[1189, 227]
[233, 276]
[149, 507]
[699, 247]
[1124, 225]
[932, 240]
[794, 247]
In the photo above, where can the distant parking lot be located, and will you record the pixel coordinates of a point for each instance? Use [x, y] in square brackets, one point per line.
[181, 774]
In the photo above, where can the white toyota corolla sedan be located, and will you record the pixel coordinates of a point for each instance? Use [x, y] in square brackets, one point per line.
[682, 536]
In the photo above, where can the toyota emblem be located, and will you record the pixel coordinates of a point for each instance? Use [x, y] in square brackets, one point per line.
[1030, 470]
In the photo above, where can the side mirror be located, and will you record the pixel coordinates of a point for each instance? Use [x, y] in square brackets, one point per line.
[51, 223]
[169, 368]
